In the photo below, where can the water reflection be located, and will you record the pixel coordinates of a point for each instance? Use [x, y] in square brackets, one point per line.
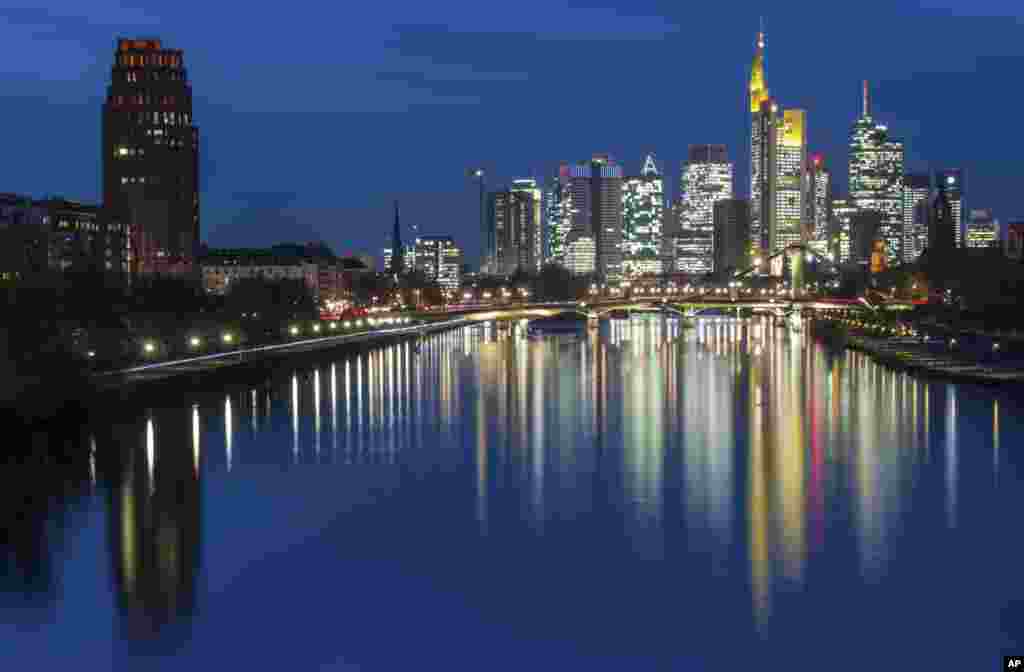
[734, 463]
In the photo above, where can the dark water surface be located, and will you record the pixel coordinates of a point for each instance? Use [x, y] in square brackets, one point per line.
[641, 498]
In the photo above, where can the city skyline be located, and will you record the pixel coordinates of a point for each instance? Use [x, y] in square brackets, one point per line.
[239, 206]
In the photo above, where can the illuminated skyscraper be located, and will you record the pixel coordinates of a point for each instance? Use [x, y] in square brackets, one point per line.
[916, 187]
[787, 156]
[952, 181]
[706, 179]
[595, 190]
[982, 229]
[762, 123]
[643, 204]
[818, 201]
[941, 223]
[151, 157]
[558, 221]
[876, 177]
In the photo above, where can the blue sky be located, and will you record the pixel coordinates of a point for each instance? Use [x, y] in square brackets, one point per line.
[316, 116]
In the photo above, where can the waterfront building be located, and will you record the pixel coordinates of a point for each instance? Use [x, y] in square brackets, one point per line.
[982, 229]
[643, 204]
[706, 179]
[151, 156]
[58, 235]
[595, 190]
[916, 188]
[558, 224]
[731, 235]
[952, 181]
[876, 176]
[222, 267]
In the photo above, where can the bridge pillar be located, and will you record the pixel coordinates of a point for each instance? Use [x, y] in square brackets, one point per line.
[796, 270]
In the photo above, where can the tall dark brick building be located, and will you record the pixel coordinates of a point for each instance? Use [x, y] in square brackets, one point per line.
[151, 157]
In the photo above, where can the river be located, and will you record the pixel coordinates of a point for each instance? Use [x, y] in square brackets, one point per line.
[641, 497]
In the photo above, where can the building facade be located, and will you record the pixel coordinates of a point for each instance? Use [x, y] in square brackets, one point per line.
[952, 181]
[982, 229]
[440, 260]
[581, 254]
[840, 233]
[818, 201]
[150, 151]
[762, 129]
[941, 222]
[643, 221]
[558, 224]
[706, 179]
[58, 235]
[916, 188]
[731, 235]
[787, 163]
[595, 190]
[876, 176]
[1015, 240]
[517, 224]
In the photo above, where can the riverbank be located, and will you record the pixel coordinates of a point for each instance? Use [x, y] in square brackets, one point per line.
[936, 358]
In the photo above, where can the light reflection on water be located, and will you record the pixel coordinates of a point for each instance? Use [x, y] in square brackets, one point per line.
[735, 454]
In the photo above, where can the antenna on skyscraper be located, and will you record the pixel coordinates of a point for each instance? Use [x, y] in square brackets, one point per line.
[867, 106]
[760, 34]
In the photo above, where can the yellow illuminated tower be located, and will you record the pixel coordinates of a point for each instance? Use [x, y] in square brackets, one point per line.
[762, 113]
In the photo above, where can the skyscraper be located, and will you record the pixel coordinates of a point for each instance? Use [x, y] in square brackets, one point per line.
[818, 201]
[732, 235]
[151, 156]
[952, 181]
[876, 177]
[517, 223]
[916, 187]
[787, 157]
[558, 221]
[595, 190]
[643, 203]
[706, 179]
[982, 229]
[941, 224]
[440, 260]
[762, 123]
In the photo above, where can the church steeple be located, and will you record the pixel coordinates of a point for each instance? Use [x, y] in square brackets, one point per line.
[397, 249]
[758, 87]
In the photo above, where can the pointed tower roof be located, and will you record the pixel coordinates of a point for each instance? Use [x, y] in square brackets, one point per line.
[650, 167]
[758, 87]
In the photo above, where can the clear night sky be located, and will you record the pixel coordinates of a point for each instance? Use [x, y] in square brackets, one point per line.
[315, 116]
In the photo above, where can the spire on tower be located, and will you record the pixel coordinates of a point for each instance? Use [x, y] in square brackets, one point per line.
[760, 35]
[867, 100]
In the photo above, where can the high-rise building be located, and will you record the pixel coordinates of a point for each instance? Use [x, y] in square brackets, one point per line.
[558, 207]
[762, 125]
[440, 260]
[732, 235]
[706, 179]
[982, 229]
[787, 157]
[916, 187]
[865, 230]
[941, 223]
[595, 190]
[952, 181]
[840, 231]
[643, 205]
[876, 176]
[516, 221]
[151, 156]
[818, 200]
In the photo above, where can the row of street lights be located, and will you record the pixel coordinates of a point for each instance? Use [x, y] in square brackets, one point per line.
[151, 347]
